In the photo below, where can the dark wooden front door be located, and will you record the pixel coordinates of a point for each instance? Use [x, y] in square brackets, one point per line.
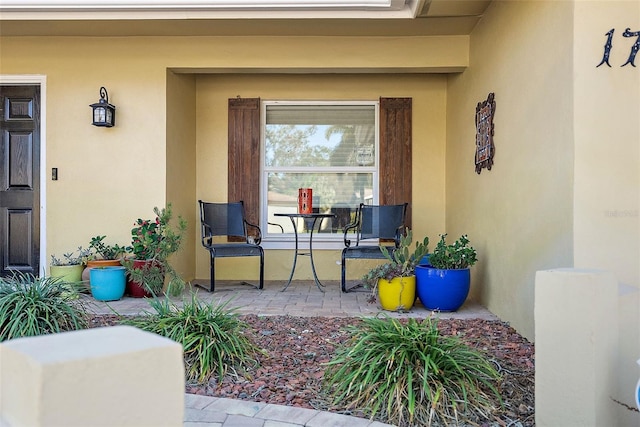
[19, 179]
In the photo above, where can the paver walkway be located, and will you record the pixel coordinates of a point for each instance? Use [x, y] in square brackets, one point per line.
[302, 298]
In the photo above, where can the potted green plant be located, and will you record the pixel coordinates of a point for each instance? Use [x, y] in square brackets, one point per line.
[68, 268]
[444, 283]
[394, 282]
[70, 265]
[103, 255]
[152, 243]
[106, 251]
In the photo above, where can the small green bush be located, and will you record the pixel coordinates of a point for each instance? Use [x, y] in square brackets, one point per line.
[31, 306]
[212, 336]
[458, 255]
[408, 374]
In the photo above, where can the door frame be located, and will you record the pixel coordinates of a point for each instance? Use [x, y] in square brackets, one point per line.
[37, 80]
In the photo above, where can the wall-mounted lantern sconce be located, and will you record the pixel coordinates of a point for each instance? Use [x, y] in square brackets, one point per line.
[104, 114]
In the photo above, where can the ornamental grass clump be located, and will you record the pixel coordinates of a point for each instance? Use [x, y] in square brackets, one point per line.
[212, 337]
[31, 306]
[408, 374]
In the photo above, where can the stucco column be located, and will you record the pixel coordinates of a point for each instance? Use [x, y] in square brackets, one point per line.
[576, 334]
[113, 376]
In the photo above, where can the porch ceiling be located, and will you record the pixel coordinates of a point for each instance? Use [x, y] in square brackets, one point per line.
[420, 18]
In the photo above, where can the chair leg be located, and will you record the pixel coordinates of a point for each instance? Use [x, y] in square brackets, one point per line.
[212, 273]
[261, 268]
[343, 270]
[212, 286]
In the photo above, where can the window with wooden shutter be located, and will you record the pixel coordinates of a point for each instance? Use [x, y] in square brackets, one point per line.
[394, 167]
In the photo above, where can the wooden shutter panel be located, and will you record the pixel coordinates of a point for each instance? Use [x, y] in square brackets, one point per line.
[395, 152]
[244, 155]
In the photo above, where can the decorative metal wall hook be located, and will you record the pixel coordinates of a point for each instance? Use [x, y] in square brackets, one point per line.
[104, 114]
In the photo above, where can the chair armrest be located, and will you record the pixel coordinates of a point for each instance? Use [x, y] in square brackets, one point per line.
[206, 236]
[352, 226]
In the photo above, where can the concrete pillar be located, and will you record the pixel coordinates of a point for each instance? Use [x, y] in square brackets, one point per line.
[576, 334]
[628, 354]
[114, 376]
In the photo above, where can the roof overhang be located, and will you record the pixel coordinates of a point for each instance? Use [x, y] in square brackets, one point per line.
[109, 18]
[210, 9]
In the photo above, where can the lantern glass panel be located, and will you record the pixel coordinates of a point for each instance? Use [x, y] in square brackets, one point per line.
[99, 114]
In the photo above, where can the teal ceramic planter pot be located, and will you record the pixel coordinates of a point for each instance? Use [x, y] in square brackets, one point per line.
[442, 290]
[108, 283]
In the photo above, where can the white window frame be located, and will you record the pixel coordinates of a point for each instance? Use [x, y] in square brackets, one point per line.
[320, 240]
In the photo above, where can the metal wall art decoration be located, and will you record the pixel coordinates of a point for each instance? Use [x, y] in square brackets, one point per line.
[484, 133]
[609, 45]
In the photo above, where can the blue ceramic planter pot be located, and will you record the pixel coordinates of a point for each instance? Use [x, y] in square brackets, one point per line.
[108, 283]
[425, 260]
[442, 290]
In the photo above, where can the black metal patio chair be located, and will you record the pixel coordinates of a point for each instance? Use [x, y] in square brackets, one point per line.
[372, 222]
[225, 233]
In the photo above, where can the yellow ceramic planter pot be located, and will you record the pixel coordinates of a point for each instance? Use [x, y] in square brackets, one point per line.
[67, 273]
[398, 294]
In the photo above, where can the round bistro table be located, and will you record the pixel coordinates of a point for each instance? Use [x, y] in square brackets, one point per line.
[316, 218]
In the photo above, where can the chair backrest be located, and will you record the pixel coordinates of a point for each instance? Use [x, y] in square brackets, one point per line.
[381, 221]
[222, 219]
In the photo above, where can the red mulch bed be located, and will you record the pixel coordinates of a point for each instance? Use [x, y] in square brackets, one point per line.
[296, 347]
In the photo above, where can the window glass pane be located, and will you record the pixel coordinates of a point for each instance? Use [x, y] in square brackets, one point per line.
[338, 193]
[328, 147]
[320, 136]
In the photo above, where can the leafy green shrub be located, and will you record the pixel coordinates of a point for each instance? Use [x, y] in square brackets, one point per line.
[458, 255]
[156, 240]
[212, 336]
[31, 306]
[408, 374]
[153, 275]
[105, 250]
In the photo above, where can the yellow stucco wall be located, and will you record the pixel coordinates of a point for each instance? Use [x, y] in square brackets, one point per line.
[181, 163]
[519, 215]
[607, 170]
[428, 93]
[607, 148]
[565, 187]
[110, 177]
